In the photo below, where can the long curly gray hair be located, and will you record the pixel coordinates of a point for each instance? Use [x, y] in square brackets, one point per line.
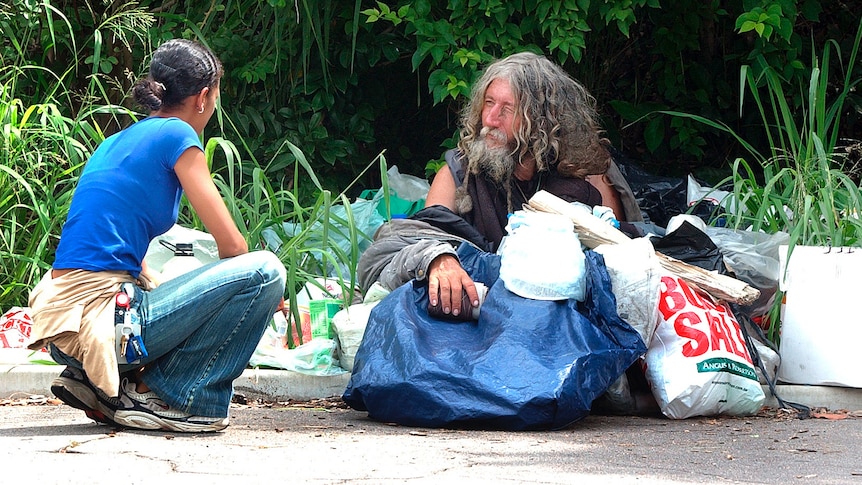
[558, 116]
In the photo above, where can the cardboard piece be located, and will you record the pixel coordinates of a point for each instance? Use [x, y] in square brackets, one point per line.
[821, 332]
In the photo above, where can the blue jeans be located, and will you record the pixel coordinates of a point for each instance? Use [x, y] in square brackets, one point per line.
[201, 328]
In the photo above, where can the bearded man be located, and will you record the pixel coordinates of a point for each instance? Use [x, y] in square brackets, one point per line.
[528, 126]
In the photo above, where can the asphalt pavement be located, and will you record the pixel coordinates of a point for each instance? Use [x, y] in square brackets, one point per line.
[323, 442]
[289, 427]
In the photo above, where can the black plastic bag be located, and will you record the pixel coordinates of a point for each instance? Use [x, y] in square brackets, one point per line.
[693, 246]
[526, 364]
[661, 198]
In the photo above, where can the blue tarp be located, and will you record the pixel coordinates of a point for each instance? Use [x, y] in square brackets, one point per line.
[526, 364]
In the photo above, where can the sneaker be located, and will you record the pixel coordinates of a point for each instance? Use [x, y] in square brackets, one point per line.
[74, 389]
[148, 411]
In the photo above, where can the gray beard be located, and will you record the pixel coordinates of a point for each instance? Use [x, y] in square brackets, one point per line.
[496, 163]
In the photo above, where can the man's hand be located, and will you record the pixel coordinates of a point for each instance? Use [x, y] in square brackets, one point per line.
[448, 279]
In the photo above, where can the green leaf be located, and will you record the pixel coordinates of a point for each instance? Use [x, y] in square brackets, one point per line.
[372, 14]
[654, 134]
[747, 26]
[774, 11]
[437, 53]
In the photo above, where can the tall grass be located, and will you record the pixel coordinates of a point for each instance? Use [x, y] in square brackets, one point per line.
[313, 238]
[42, 151]
[40, 156]
[47, 132]
[806, 190]
[44, 145]
[801, 185]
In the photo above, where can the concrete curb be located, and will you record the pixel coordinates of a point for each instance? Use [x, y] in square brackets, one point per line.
[284, 385]
[17, 381]
[830, 397]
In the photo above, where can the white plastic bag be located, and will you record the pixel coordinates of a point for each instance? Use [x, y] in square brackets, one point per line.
[317, 357]
[697, 363]
[696, 193]
[204, 246]
[770, 359]
[541, 257]
[408, 187]
[635, 273]
[752, 256]
[15, 327]
[349, 325]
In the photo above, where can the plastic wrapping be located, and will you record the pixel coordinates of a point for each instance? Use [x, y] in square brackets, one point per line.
[635, 273]
[160, 256]
[366, 220]
[660, 198]
[541, 257]
[752, 256]
[526, 364]
[407, 187]
[698, 363]
[406, 196]
[316, 357]
[349, 325]
[690, 244]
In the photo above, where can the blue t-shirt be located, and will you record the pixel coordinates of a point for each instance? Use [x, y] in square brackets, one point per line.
[127, 194]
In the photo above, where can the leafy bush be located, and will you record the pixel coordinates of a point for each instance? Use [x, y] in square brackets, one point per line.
[636, 57]
[44, 145]
[37, 161]
[806, 185]
[319, 74]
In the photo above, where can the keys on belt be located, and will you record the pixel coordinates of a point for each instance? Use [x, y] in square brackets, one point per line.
[130, 345]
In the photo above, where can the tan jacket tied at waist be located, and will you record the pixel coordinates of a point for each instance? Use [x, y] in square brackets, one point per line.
[75, 312]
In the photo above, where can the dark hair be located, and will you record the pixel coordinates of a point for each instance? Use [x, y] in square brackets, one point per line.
[180, 68]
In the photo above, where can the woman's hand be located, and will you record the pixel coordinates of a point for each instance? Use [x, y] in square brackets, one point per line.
[448, 279]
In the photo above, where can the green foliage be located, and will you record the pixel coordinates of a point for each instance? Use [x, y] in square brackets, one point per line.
[41, 153]
[457, 39]
[43, 144]
[806, 191]
[776, 43]
[333, 76]
[635, 57]
[765, 21]
[30, 202]
[801, 185]
[314, 239]
[291, 74]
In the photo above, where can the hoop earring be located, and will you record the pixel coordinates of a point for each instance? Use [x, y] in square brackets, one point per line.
[201, 110]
